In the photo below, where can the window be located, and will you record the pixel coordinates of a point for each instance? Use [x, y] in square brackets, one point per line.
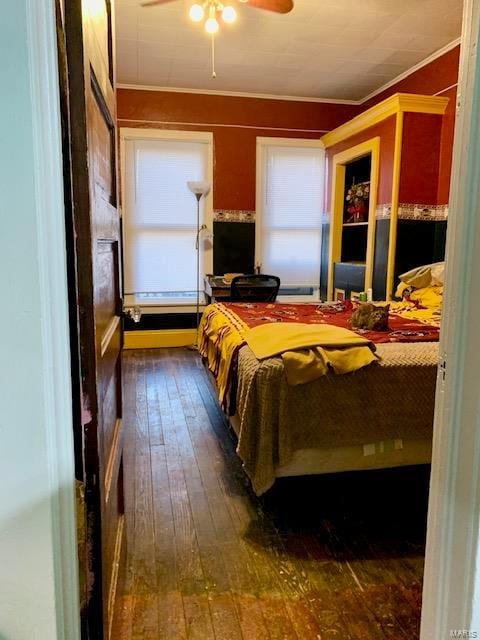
[290, 198]
[160, 215]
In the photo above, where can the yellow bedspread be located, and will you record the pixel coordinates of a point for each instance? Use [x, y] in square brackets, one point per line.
[424, 305]
[220, 342]
[308, 351]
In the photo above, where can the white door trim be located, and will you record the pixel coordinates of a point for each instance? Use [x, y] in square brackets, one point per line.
[49, 198]
[449, 601]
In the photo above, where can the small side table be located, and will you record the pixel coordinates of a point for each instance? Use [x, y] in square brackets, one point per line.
[216, 289]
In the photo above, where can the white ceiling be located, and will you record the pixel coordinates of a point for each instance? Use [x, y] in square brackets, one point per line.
[338, 49]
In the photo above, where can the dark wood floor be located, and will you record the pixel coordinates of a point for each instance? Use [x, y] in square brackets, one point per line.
[327, 557]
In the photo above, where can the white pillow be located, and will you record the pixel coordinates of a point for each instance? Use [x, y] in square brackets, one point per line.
[438, 274]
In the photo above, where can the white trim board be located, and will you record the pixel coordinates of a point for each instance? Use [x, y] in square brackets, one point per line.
[165, 134]
[38, 547]
[267, 96]
[47, 152]
[232, 94]
[218, 125]
[451, 601]
[402, 76]
[289, 142]
[452, 86]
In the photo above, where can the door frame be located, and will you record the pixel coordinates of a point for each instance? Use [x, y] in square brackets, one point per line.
[51, 248]
[452, 561]
[452, 557]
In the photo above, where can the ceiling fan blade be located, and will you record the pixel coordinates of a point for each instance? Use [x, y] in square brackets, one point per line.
[278, 6]
[152, 3]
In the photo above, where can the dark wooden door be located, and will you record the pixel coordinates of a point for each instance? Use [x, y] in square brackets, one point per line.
[96, 252]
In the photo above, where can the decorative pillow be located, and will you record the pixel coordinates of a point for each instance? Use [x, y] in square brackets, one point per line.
[424, 276]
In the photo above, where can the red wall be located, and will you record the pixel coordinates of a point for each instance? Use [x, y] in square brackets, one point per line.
[434, 79]
[446, 146]
[386, 131]
[234, 146]
[429, 80]
[420, 158]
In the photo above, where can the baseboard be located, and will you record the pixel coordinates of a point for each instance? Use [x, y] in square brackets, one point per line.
[159, 339]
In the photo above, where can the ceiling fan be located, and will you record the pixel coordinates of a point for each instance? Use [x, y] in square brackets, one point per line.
[277, 6]
[210, 10]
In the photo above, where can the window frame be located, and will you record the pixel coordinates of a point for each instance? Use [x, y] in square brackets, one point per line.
[205, 137]
[263, 142]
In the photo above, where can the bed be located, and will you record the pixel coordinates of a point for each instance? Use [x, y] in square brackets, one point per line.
[379, 416]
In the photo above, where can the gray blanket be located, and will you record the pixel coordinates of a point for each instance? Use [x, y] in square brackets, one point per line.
[392, 399]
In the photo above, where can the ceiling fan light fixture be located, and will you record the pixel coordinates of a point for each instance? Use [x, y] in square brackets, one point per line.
[229, 15]
[196, 13]
[212, 8]
[211, 26]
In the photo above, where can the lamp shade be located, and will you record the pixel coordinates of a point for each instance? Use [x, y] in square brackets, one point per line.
[199, 188]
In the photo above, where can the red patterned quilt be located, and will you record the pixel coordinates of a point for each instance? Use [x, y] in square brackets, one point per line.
[338, 314]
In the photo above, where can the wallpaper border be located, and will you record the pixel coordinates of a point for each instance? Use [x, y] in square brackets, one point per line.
[233, 215]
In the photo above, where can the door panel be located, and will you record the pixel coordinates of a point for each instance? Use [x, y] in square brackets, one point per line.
[88, 27]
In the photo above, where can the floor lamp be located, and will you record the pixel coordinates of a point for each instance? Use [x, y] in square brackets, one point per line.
[200, 189]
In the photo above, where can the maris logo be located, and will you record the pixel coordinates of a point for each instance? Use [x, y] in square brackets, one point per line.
[463, 633]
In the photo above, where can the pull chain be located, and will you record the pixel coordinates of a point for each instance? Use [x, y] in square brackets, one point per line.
[214, 74]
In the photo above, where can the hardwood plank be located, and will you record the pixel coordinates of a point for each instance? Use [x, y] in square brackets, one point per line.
[210, 560]
[145, 613]
[154, 407]
[222, 606]
[273, 574]
[198, 617]
[171, 616]
[164, 524]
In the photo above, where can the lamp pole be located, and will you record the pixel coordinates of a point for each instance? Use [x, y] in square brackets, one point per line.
[199, 189]
[198, 196]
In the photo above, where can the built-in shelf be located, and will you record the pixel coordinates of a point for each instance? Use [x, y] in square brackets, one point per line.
[355, 224]
[387, 249]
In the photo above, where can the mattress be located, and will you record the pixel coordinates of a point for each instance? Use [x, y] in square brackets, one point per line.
[375, 411]
[379, 454]
[378, 416]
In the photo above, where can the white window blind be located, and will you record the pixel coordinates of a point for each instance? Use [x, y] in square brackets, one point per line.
[160, 219]
[289, 215]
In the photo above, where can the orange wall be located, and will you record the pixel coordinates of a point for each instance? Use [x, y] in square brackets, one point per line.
[235, 122]
[437, 78]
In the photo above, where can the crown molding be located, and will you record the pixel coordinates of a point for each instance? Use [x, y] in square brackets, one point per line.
[233, 94]
[267, 96]
[398, 103]
[431, 58]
